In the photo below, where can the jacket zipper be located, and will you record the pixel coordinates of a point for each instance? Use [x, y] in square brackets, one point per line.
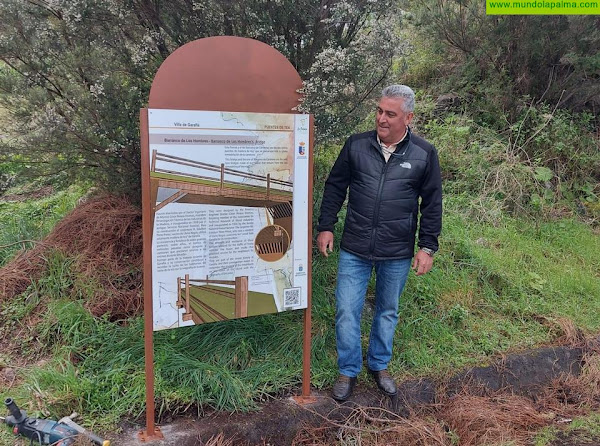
[376, 209]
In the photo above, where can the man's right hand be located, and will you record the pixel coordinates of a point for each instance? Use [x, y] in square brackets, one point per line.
[325, 242]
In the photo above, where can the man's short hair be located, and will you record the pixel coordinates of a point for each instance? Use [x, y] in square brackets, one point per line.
[401, 92]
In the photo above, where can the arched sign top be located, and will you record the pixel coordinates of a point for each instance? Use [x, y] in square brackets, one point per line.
[226, 73]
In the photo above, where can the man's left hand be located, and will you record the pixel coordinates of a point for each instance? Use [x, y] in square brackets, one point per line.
[422, 263]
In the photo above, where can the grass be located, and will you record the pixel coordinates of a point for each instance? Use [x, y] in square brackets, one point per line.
[23, 223]
[98, 366]
[582, 430]
[494, 288]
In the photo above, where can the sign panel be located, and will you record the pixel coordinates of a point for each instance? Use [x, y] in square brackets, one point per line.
[229, 192]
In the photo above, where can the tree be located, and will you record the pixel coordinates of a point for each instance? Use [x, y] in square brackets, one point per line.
[76, 72]
[549, 58]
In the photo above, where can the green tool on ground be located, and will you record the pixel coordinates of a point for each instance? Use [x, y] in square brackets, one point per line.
[39, 431]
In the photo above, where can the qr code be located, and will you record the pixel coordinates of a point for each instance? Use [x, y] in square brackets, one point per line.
[291, 297]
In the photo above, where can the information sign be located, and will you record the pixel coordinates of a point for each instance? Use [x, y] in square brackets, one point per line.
[229, 192]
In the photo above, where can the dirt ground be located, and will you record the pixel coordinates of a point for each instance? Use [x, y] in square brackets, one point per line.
[522, 379]
[574, 439]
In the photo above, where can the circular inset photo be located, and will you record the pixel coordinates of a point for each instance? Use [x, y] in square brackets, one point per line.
[271, 243]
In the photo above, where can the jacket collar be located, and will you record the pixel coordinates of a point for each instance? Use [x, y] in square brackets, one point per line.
[375, 144]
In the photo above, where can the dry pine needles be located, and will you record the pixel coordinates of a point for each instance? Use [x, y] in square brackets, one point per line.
[104, 235]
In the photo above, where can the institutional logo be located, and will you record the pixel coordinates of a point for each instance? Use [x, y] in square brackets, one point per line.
[301, 148]
[302, 124]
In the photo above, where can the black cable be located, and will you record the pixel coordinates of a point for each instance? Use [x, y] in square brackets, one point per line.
[39, 439]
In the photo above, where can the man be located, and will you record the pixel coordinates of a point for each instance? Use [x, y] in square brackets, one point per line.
[387, 171]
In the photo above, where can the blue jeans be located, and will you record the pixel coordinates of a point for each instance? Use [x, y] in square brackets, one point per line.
[353, 277]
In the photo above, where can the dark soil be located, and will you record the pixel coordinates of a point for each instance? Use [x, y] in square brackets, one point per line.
[524, 374]
[525, 377]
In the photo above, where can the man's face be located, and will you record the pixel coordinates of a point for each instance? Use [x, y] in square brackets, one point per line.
[391, 120]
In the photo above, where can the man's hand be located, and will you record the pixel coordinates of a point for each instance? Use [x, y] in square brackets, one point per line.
[325, 242]
[422, 262]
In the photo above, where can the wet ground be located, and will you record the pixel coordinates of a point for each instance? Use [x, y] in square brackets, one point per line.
[279, 421]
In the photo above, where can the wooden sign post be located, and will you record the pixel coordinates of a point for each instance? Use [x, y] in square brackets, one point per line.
[229, 74]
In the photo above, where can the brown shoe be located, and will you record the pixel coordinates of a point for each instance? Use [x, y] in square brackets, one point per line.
[384, 381]
[342, 388]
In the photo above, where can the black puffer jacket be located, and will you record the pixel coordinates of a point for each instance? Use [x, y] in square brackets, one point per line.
[383, 203]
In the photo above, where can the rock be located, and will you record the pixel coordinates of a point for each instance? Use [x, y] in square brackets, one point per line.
[9, 374]
[447, 102]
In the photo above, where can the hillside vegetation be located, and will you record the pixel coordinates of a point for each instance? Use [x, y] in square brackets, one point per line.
[517, 131]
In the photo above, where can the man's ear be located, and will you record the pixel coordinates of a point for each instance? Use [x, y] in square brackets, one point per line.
[409, 118]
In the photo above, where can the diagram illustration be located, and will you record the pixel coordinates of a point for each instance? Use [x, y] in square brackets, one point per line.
[205, 300]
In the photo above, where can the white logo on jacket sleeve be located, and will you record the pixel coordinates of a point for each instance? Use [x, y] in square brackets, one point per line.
[406, 165]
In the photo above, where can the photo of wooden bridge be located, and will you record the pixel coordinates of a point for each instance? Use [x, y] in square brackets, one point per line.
[206, 300]
[228, 189]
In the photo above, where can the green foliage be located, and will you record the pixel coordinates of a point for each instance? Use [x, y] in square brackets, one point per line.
[537, 165]
[98, 368]
[489, 288]
[423, 65]
[60, 280]
[23, 223]
[589, 425]
[559, 143]
[76, 74]
[541, 56]
[347, 73]
[523, 137]
[491, 283]
[500, 151]
[258, 357]
[582, 430]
